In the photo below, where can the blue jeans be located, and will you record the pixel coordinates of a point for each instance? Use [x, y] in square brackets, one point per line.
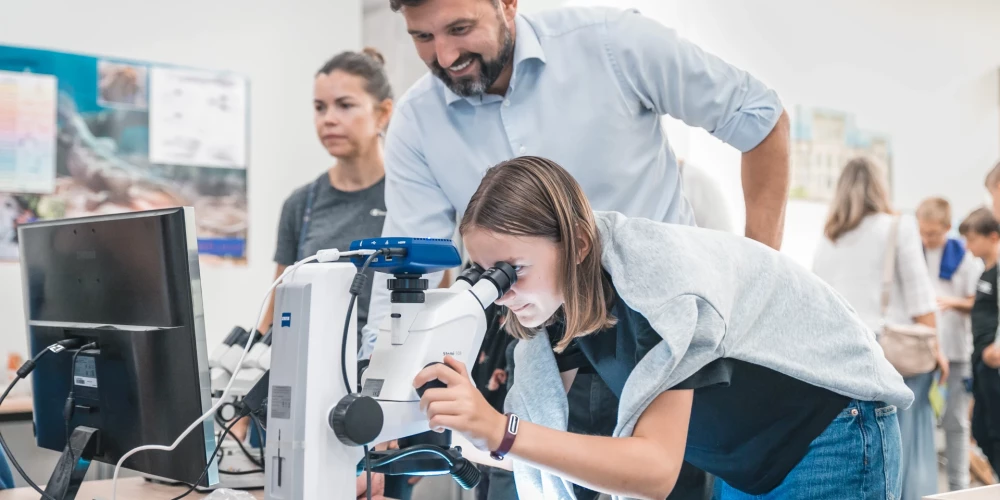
[856, 457]
[918, 460]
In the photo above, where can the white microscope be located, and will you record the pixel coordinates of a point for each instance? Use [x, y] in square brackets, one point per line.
[240, 465]
[318, 421]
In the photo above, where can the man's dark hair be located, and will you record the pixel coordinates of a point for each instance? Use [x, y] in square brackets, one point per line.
[395, 5]
[981, 222]
[367, 64]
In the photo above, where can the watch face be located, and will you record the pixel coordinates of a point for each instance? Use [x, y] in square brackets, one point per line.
[512, 424]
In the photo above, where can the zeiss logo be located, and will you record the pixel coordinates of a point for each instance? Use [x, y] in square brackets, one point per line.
[286, 319]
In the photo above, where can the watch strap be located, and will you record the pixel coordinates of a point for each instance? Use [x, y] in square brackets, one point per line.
[510, 432]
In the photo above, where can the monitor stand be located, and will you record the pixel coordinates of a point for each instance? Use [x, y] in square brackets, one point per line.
[73, 464]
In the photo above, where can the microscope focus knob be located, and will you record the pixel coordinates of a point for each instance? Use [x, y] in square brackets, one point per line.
[356, 420]
[433, 384]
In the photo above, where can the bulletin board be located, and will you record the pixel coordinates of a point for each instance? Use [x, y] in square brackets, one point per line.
[83, 135]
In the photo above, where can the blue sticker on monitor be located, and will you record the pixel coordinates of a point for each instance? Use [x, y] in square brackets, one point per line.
[286, 319]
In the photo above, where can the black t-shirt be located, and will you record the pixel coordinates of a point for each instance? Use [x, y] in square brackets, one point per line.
[984, 314]
[749, 425]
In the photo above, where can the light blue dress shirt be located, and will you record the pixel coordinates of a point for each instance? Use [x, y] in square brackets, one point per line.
[588, 88]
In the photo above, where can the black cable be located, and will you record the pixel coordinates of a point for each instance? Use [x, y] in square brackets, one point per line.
[343, 345]
[413, 450]
[368, 472]
[23, 372]
[356, 286]
[359, 281]
[225, 432]
[222, 423]
[260, 436]
[13, 460]
[241, 473]
[257, 421]
[70, 402]
[249, 455]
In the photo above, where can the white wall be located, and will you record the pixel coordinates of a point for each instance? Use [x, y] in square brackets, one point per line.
[924, 72]
[278, 45]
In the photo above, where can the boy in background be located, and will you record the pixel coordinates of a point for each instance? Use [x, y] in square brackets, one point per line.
[955, 273]
[982, 237]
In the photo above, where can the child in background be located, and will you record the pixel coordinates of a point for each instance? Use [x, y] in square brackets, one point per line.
[983, 240]
[955, 274]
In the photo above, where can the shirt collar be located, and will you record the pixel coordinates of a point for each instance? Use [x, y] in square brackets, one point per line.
[526, 47]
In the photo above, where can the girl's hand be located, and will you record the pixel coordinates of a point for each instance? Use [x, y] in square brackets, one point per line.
[460, 407]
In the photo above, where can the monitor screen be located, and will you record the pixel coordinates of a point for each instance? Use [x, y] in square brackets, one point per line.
[131, 283]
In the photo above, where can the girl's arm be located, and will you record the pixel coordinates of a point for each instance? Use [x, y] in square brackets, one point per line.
[645, 465]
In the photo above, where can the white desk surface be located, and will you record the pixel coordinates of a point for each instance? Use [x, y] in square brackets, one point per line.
[983, 493]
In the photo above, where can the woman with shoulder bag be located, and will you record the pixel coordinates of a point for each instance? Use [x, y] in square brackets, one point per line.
[873, 257]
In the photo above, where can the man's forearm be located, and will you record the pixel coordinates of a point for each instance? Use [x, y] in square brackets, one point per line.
[765, 185]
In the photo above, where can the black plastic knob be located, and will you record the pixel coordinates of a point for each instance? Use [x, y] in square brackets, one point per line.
[502, 275]
[433, 384]
[356, 420]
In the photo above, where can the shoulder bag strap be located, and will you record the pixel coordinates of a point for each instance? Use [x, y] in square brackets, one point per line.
[889, 265]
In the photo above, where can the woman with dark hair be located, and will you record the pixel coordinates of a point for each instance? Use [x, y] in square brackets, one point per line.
[352, 100]
[723, 353]
[352, 103]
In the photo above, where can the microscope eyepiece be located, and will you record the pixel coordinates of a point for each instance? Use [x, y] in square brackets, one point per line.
[471, 274]
[502, 275]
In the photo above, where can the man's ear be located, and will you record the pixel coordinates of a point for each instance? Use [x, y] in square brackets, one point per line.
[509, 9]
[583, 244]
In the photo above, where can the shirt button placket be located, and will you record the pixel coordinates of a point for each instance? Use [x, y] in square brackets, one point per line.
[515, 146]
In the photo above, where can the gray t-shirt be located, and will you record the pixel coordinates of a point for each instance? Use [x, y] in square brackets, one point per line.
[338, 218]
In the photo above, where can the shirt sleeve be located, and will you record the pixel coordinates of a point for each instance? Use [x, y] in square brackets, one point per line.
[675, 77]
[716, 373]
[416, 206]
[289, 225]
[973, 270]
[911, 270]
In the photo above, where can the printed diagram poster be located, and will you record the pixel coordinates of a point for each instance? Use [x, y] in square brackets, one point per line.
[75, 139]
[197, 118]
[27, 132]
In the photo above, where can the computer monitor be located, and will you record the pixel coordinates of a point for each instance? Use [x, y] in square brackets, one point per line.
[131, 283]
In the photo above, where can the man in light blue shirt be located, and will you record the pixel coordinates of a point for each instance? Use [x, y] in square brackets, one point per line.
[584, 87]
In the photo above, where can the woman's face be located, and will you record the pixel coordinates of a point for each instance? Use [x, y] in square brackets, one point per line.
[537, 294]
[348, 119]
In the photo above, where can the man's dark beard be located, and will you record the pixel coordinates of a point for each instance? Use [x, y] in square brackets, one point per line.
[489, 71]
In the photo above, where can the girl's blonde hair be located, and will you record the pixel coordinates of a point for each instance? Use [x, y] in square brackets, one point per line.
[532, 196]
[861, 191]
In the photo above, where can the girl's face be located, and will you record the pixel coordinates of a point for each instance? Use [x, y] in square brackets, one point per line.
[537, 294]
[348, 119]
